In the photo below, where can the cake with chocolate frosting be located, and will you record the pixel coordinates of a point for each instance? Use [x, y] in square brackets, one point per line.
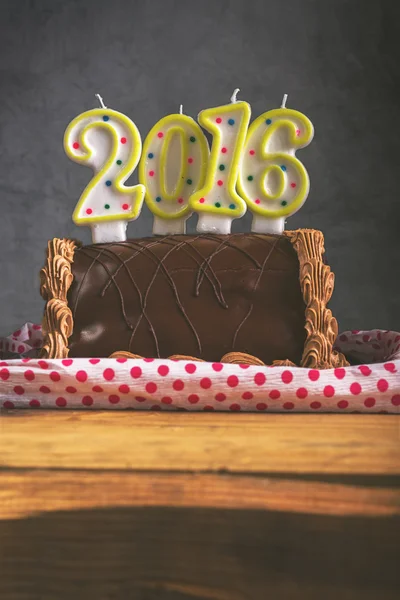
[244, 298]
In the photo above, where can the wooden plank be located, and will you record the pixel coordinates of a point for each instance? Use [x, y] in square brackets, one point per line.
[252, 443]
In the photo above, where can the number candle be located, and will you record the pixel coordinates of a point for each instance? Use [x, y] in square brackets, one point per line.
[109, 143]
[218, 202]
[172, 167]
[272, 180]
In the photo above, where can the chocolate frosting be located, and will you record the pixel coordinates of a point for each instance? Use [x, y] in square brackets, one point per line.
[204, 296]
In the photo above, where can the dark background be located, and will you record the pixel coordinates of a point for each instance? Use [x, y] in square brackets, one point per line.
[338, 61]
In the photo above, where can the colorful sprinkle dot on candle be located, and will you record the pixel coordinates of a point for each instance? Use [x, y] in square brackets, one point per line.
[298, 131]
[123, 140]
[231, 121]
[180, 200]
[106, 206]
[105, 118]
[293, 185]
[202, 200]
[119, 162]
[220, 182]
[268, 121]
[221, 167]
[283, 203]
[108, 183]
[160, 134]
[150, 155]
[224, 150]
[283, 167]
[158, 199]
[232, 206]
[192, 138]
[125, 206]
[250, 178]
[89, 211]
[190, 160]
[218, 205]
[75, 145]
[257, 201]
[151, 173]
[189, 181]
[252, 152]
[218, 120]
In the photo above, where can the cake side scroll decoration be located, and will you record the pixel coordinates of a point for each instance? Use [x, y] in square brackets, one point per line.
[55, 280]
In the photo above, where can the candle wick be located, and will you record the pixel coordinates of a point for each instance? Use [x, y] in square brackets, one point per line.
[100, 99]
[283, 105]
[235, 93]
[181, 109]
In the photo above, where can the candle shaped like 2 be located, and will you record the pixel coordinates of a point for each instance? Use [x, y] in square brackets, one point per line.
[172, 167]
[218, 202]
[109, 143]
[272, 180]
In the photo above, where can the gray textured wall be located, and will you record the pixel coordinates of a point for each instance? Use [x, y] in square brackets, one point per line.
[337, 59]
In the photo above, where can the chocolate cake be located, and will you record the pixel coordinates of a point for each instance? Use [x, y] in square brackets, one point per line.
[236, 298]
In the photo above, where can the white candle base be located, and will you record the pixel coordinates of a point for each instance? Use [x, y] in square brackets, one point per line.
[109, 231]
[211, 223]
[264, 225]
[168, 226]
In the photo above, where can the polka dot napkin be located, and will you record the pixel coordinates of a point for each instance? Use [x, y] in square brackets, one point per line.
[156, 384]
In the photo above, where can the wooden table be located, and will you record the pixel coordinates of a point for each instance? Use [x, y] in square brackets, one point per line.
[153, 506]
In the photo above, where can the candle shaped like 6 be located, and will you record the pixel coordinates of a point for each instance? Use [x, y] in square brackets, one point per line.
[109, 143]
[218, 202]
[172, 167]
[272, 180]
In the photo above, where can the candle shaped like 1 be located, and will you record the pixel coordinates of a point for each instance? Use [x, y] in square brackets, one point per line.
[109, 143]
[217, 202]
[272, 180]
[172, 167]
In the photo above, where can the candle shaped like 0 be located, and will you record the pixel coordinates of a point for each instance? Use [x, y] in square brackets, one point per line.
[109, 143]
[173, 166]
[272, 180]
[218, 202]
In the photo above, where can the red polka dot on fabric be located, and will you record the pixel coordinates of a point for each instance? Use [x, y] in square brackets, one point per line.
[220, 397]
[151, 387]
[87, 400]
[288, 405]
[34, 403]
[244, 366]
[208, 407]
[148, 360]
[190, 368]
[313, 374]
[29, 375]
[108, 374]
[343, 338]
[163, 370]
[315, 405]
[43, 364]
[8, 404]
[366, 338]
[235, 407]
[4, 374]
[67, 362]
[70, 389]
[122, 360]
[18, 389]
[124, 389]
[54, 376]
[261, 406]
[274, 394]
[94, 361]
[329, 391]
[343, 404]
[81, 376]
[136, 372]
[21, 349]
[302, 393]
[205, 383]
[140, 399]
[247, 395]
[287, 376]
[97, 388]
[365, 370]
[232, 381]
[166, 400]
[396, 400]
[44, 389]
[217, 366]
[113, 399]
[382, 385]
[259, 379]
[339, 373]
[193, 398]
[178, 385]
[369, 402]
[355, 389]
[61, 402]
[391, 367]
